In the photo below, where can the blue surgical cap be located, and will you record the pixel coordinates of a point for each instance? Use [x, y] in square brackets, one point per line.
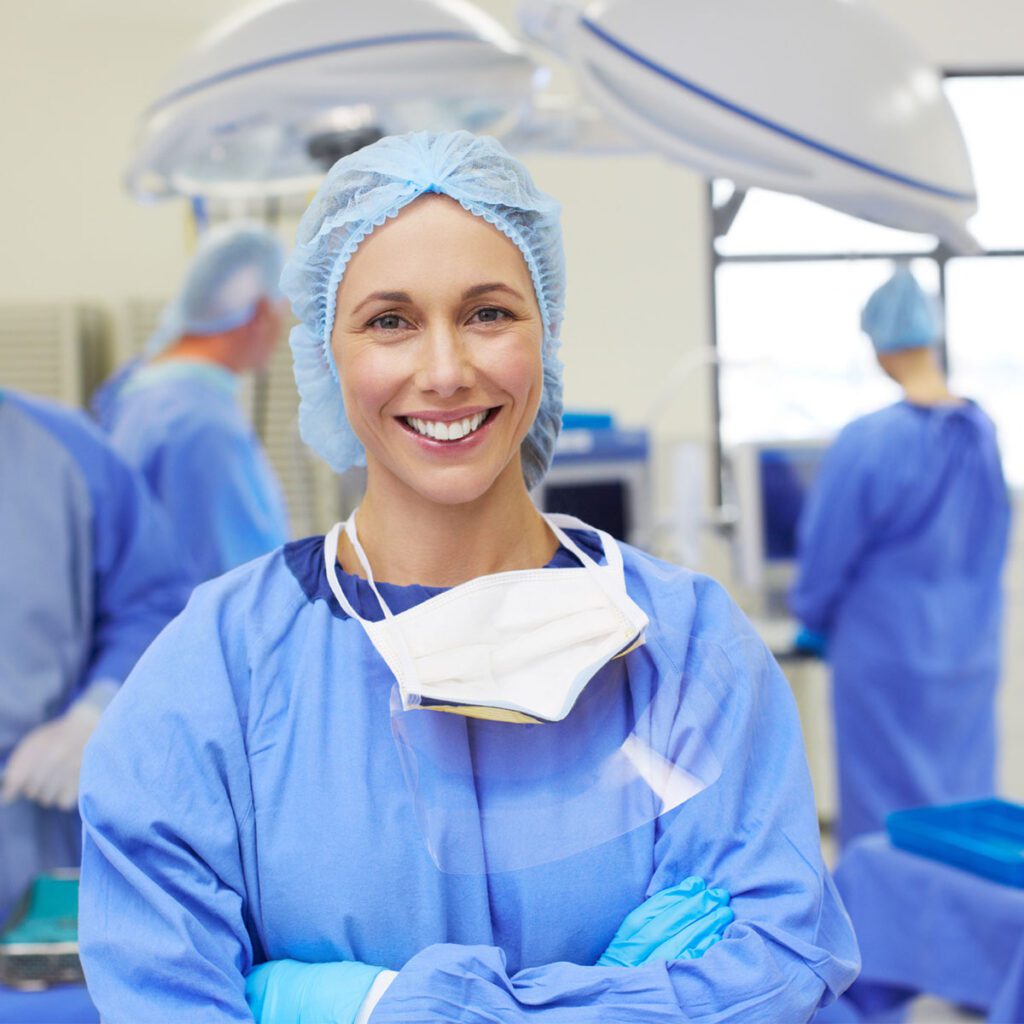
[234, 267]
[900, 315]
[360, 193]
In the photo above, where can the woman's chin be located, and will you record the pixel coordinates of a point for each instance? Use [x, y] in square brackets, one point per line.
[455, 485]
[454, 491]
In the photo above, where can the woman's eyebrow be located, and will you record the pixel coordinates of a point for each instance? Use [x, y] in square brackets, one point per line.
[383, 297]
[469, 293]
[490, 286]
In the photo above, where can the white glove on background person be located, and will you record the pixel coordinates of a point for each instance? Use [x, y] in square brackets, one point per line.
[45, 765]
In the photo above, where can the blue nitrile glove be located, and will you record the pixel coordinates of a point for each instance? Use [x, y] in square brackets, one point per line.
[810, 641]
[679, 923]
[290, 992]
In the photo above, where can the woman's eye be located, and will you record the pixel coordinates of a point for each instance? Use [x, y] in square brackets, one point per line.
[490, 315]
[388, 322]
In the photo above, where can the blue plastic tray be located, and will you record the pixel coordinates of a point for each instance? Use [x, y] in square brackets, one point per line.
[985, 837]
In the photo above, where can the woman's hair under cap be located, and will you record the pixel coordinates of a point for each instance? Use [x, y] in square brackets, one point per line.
[360, 193]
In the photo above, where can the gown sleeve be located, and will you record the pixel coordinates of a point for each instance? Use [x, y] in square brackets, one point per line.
[754, 831]
[219, 496]
[140, 581]
[162, 914]
[833, 533]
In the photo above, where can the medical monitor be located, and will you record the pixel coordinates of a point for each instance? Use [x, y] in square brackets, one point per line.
[768, 484]
[602, 476]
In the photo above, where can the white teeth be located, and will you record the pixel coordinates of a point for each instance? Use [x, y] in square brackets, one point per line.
[454, 431]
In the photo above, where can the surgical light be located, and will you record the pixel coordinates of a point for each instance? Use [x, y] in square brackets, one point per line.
[268, 100]
[826, 99]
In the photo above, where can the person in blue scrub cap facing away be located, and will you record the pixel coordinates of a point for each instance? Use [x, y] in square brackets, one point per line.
[90, 574]
[902, 544]
[457, 760]
[175, 414]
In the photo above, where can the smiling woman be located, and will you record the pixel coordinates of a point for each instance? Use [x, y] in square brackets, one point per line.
[441, 371]
[465, 762]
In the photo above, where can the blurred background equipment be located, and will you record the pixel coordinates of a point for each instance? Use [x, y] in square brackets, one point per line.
[765, 486]
[767, 483]
[601, 473]
[39, 944]
[269, 99]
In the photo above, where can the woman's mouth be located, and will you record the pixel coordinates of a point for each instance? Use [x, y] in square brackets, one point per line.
[448, 431]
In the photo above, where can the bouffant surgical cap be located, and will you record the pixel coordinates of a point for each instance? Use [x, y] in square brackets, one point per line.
[234, 267]
[360, 193]
[900, 315]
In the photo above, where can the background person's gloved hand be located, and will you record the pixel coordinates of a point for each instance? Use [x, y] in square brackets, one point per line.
[679, 923]
[291, 992]
[810, 641]
[45, 764]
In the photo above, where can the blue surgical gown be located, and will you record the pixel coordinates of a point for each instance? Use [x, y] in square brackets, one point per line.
[902, 545]
[243, 800]
[180, 423]
[88, 576]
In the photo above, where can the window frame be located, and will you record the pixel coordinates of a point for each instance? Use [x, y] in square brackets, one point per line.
[721, 219]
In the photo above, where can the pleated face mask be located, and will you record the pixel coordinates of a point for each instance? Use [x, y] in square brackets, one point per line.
[516, 646]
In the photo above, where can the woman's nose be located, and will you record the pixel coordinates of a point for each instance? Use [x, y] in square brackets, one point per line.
[445, 364]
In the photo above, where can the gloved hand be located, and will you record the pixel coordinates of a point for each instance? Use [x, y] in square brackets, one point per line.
[44, 766]
[290, 992]
[679, 923]
[810, 641]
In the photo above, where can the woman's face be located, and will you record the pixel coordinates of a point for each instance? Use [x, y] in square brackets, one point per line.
[437, 339]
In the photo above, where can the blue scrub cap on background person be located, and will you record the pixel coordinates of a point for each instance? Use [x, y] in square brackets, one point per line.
[360, 193]
[234, 266]
[900, 315]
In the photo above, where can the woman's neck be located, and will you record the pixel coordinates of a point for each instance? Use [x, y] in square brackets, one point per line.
[408, 539]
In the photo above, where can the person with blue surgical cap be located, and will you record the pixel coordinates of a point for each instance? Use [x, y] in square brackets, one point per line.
[90, 576]
[457, 760]
[176, 415]
[902, 544]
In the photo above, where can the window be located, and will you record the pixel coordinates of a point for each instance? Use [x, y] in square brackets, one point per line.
[792, 276]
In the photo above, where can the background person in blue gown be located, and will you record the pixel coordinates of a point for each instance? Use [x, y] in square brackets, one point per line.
[90, 574]
[902, 545]
[176, 415]
[254, 843]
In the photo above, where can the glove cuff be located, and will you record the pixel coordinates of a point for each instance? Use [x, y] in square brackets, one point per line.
[380, 985]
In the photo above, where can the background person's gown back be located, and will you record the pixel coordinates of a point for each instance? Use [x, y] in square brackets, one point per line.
[902, 549]
[180, 423]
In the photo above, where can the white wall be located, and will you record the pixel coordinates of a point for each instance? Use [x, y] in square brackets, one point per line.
[75, 74]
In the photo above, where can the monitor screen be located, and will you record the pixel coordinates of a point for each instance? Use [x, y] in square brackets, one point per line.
[601, 503]
[786, 475]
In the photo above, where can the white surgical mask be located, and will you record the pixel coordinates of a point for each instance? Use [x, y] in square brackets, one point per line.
[516, 646]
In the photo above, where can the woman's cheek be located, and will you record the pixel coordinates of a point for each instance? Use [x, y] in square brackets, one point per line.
[520, 365]
[370, 378]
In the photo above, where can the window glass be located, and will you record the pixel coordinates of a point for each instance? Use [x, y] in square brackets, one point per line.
[794, 363]
[985, 341]
[989, 109]
[770, 222]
